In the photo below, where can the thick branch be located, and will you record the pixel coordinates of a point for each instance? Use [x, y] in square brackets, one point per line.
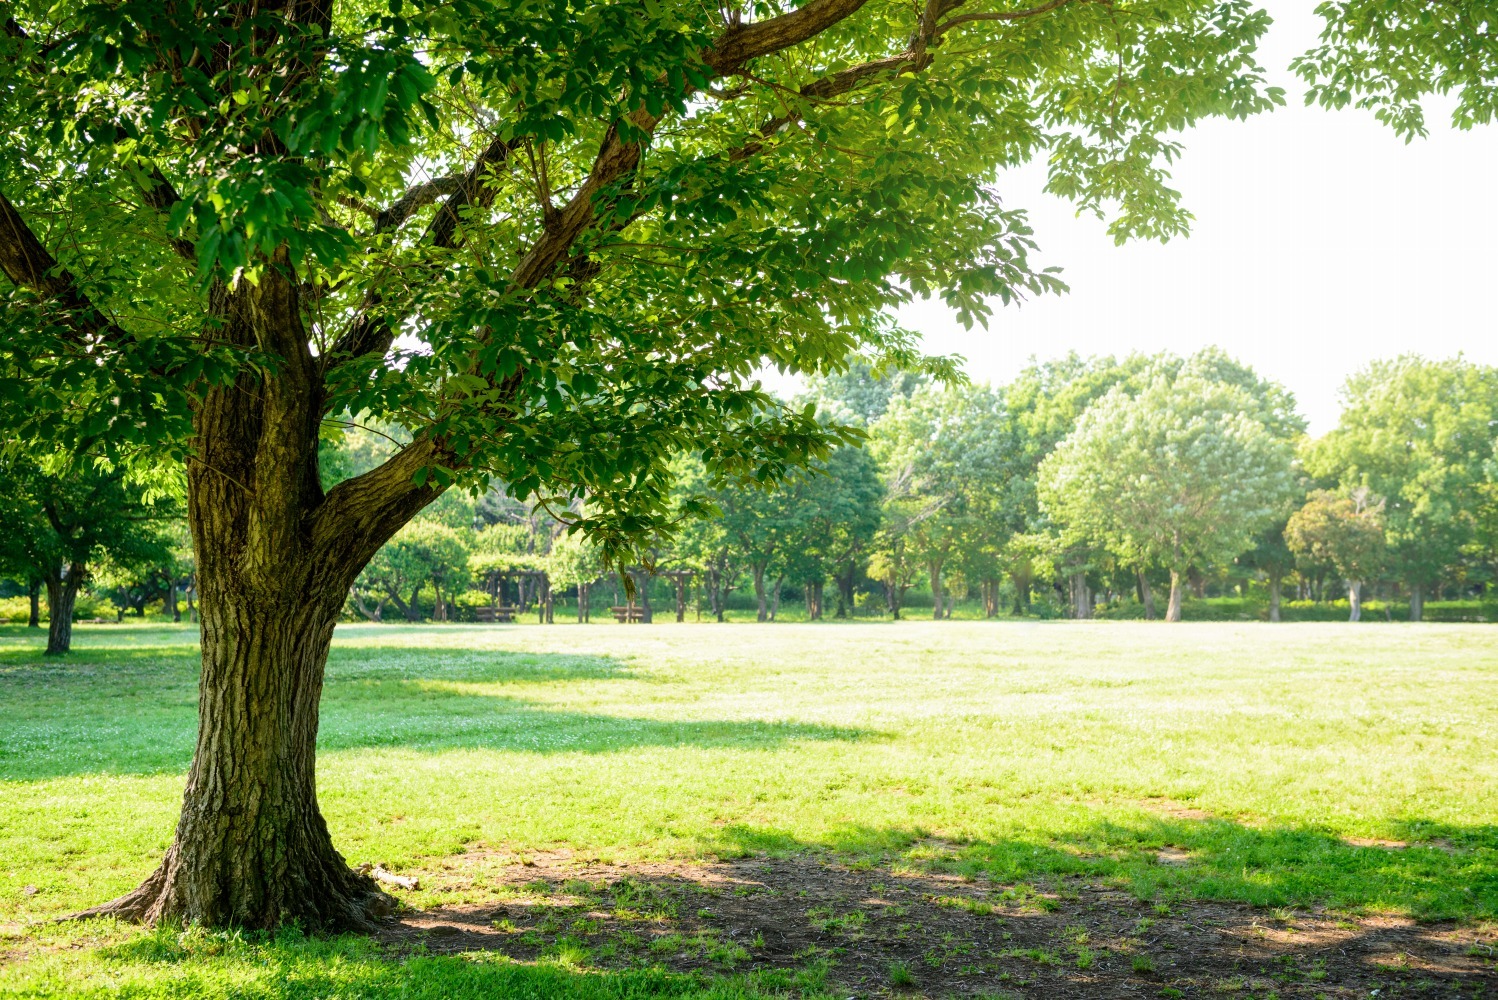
[27, 263]
[744, 42]
[1008, 15]
[418, 197]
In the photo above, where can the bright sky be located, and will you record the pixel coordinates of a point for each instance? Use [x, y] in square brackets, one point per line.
[1321, 242]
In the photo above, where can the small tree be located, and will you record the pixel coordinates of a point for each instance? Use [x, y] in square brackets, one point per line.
[1181, 475]
[1345, 530]
[70, 522]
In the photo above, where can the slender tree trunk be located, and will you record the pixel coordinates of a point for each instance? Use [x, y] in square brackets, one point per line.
[582, 602]
[34, 591]
[1146, 595]
[642, 584]
[775, 596]
[1274, 598]
[1173, 609]
[62, 594]
[1354, 600]
[933, 571]
[758, 569]
[171, 607]
[1417, 601]
[681, 597]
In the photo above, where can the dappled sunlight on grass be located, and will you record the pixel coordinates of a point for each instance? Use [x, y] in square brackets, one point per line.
[1298, 764]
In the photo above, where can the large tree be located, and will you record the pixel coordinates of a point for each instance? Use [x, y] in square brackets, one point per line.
[1183, 474]
[550, 241]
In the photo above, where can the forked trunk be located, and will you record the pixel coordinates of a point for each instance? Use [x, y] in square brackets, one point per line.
[1354, 601]
[1173, 609]
[62, 597]
[275, 559]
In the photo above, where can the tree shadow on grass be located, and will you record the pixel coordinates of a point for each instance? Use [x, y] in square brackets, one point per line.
[133, 711]
[1452, 873]
[885, 909]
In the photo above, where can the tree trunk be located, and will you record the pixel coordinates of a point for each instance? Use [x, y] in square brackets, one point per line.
[642, 584]
[1021, 591]
[582, 602]
[933, 570]
[1146, 595]
[775, 596]
[34, 591]
[1354, 601]
[1417, 601]
[1173, 609]
[681, 597]
[275, 559]
[844, 593]
[1081, 597]
[62, 594]
[413, 610]
[1274, 598]
[171, 601]
[758, 570]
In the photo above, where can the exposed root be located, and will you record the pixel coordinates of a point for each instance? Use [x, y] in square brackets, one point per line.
[357, 904]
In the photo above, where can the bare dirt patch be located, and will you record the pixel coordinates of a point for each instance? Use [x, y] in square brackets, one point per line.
[881, 932]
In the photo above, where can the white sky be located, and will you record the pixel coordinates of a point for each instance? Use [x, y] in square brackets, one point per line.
[1321, 241]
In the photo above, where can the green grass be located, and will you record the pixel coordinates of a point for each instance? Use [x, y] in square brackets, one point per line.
[1022, 753]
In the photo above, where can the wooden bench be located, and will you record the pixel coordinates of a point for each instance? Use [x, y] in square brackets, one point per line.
[628, 613]
[502, 613]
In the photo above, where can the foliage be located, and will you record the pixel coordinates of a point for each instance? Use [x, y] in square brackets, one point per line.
[1180, 475]
[589, 247]
[1391, 56]
[1345, 531]
[1420, 434]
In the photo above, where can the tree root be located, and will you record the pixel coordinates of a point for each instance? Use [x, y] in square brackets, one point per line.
[358, 906]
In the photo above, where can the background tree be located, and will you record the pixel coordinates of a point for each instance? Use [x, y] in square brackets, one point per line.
[1417, 433]
[74, 520]
[1345, 530]
[1180, 475]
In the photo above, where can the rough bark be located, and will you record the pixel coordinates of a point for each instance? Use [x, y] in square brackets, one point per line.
[275, 560]
[62, 595]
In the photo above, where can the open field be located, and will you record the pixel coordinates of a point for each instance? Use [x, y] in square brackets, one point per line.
[1090, 809]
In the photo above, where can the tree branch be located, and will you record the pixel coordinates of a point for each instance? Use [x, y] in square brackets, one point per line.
[1009, 15]
[370, 332]
[27, 263]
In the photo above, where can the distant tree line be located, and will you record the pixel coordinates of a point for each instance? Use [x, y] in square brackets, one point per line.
[1087, 486]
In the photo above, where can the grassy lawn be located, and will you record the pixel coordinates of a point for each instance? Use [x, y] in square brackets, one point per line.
[1314, 766]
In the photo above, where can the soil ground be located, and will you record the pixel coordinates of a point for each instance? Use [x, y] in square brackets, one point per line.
[875, 932]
